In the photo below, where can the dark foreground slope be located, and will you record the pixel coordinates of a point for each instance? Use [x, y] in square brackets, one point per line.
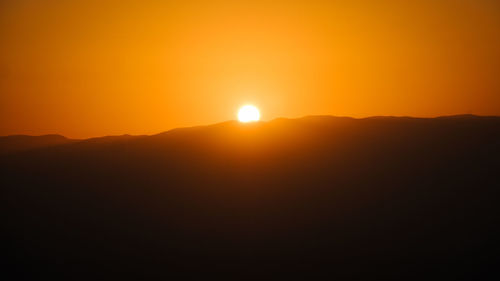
[354, 198]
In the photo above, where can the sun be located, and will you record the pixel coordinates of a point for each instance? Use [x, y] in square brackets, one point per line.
[248, 113]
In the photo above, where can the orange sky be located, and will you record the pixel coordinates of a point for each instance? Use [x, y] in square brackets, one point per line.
[86, 68]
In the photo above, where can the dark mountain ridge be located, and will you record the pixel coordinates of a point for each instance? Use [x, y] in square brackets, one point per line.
[15, 143]
[381, 197]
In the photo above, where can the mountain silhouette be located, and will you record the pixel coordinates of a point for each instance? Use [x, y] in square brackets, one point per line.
[15, 143]
[372, 198]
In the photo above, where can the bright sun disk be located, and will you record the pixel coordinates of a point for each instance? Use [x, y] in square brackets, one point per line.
[248, 113]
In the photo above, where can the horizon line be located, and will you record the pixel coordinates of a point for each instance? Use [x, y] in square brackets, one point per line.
[250, 123]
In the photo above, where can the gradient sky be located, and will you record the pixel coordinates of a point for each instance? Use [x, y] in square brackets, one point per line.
[86, 68]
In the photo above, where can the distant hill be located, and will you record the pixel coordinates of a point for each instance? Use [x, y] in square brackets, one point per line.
[373, 198]
[19, 143]
[16, 143]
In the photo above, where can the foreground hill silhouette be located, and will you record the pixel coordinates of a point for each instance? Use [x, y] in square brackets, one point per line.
[380, 197]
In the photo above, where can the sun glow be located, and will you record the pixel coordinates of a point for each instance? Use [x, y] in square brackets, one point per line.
[248, 113]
